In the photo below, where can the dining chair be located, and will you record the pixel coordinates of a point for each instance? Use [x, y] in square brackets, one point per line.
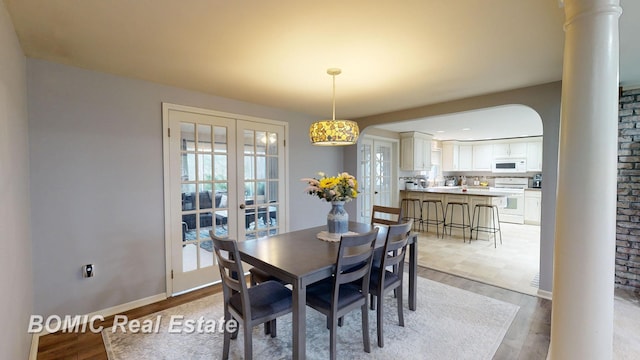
[348, 288]
[252, 306]
[388, 274]
[385, 215]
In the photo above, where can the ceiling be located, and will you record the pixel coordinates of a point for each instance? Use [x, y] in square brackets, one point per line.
[394, 55]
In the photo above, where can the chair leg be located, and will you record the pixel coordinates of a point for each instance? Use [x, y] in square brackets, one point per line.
[365, 329]
[248, 341]
[227, 338]
[267, 328]
[400, 311]
[273, 328]
[332, 339]
[380, 322]
[372, 301]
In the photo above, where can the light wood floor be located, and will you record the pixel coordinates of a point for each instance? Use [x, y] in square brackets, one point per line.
[527, 338]
[513, 265]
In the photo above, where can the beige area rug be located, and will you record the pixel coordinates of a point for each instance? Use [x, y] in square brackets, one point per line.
[449, 323]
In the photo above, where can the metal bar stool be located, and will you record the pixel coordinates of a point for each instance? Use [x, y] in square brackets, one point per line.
[488, 229]
[451, 224]
[416, 211]
[426, 219]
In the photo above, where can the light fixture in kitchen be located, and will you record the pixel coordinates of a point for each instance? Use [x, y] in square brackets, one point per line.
[334, 132]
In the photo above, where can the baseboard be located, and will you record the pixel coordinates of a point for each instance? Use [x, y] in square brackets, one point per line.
[545, 294]
[115, 310]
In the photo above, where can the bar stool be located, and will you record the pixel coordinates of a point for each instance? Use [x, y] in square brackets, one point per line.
[426, 219]
[488, 229]
[416, 211]
[451, 224]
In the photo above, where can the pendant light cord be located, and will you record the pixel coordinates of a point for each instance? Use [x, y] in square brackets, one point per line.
[334, 97]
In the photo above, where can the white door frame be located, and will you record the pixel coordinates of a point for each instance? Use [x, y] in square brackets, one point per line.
[166, 107]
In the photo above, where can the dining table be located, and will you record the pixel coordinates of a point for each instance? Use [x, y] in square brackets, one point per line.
[301, 258]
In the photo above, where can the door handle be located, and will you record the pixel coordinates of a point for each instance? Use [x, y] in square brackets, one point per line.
[375, 192]
[242, 206]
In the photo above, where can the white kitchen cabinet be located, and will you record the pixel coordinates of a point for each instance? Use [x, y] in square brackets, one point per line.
[450, 156]
[532, 206]
[465, 160]
[415, 151]
[534, 155]
[516, 149]
[482, 157]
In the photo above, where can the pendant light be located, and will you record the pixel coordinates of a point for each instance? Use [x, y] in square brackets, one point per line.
[334, 132]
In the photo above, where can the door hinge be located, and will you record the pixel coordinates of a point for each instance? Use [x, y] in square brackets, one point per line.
[172, 274]
[169, 132]
[285, 142]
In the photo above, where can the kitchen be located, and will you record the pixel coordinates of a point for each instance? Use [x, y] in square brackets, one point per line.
[503, 156]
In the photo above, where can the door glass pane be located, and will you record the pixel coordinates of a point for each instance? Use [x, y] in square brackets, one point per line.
[220, 167]
[187, 136]
[220, 136]
[204, 138]
[188, 167]
[261, 167]
[272, 144]
[261, 183]
[205, 167]
[261, 142]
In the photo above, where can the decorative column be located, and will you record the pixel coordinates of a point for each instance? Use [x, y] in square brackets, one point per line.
[584, 254]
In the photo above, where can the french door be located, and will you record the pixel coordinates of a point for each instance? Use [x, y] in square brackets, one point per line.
[223, 176]
[377, 164]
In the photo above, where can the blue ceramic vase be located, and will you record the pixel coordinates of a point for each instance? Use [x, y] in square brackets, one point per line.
[338, 218]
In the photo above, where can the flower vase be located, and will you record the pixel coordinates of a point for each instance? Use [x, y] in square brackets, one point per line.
[338, 218]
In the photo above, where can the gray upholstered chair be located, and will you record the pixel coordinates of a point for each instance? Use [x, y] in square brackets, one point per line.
[252, 306]
[388, 274]
[343, 292]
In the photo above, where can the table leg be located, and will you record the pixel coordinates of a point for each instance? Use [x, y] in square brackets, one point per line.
[299, 320]
[413, 271]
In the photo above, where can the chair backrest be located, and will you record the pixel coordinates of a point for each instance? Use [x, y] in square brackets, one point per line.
[385, 215]
[231, 272]
[395, 248]
[354, 260]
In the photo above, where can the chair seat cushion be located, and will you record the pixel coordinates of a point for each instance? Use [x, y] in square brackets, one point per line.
[390, 279]
[267, 298]
[319, 294]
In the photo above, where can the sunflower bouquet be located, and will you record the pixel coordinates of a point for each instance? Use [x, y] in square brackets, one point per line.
[337, 188]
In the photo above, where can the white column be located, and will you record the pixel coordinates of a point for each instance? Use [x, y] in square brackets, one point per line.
[584, 254]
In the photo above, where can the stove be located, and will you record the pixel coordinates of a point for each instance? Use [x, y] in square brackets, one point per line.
[513, 212]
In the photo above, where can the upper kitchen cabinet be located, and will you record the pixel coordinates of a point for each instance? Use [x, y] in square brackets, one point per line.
[450, 156]
[482, 157]
[465, 161]
[510, 150]
[457, 157]
[415, 151]
[534, 154]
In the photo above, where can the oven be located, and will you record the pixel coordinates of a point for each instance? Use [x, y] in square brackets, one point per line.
[513, 211]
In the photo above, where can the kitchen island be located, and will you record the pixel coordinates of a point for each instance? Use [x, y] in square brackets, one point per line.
[472, 196]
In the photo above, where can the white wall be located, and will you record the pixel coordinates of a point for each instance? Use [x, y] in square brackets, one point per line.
[97, 187]
[16, 296]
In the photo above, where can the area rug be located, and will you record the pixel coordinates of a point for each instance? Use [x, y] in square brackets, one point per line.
[449, 323]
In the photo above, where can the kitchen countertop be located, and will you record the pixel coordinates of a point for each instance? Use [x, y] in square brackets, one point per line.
[456, 190]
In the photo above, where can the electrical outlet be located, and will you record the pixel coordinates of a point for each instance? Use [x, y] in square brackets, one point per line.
[88, 270]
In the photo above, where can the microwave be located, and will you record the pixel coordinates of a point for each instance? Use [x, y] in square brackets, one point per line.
[509, 166]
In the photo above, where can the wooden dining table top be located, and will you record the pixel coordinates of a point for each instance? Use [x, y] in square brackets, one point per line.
[299, 253]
